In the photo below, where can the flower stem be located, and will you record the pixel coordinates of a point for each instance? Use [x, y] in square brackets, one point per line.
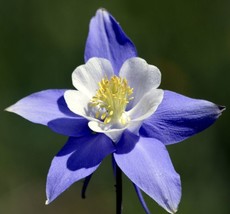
[118, 190]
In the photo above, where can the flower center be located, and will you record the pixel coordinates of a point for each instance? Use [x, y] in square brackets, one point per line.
[111, 100]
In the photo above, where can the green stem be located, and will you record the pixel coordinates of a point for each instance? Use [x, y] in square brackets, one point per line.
[118, 190]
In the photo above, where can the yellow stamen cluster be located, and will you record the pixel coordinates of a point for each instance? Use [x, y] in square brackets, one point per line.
[111, 99]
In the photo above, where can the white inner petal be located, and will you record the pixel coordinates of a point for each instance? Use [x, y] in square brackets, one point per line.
[100, 127]
[86, 77]
[147, 105]
[141, 76]
[79, 104]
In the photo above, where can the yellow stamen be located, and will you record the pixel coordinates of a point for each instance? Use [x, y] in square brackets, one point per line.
[111, 99]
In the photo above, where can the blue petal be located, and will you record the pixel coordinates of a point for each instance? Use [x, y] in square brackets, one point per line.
[106, 39]
[179, 117]
[74, 127]
[79, 158]
[147, 164]
[49, 108]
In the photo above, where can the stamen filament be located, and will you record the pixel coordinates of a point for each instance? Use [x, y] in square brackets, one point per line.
[111, 99]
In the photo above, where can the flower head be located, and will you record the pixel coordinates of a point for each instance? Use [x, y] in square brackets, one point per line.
[117, 109]
[113, 103]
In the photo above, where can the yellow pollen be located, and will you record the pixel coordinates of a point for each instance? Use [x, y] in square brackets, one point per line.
[111, 99]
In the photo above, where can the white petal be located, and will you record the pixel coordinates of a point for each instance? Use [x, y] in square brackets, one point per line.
[100, 127]
[86, 77]
[141, 76]
[134, 126]
[78, 103]
[146, 106]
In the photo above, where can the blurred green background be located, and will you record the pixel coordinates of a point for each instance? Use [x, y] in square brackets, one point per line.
[41, 42]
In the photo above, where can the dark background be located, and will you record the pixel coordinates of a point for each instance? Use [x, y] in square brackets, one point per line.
[42, 41]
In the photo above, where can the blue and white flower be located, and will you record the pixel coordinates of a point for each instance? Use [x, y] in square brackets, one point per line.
[113, 103]
[118, 109]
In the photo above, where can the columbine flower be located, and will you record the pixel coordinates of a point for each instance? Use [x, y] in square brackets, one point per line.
[117, 109]
[113, 103]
